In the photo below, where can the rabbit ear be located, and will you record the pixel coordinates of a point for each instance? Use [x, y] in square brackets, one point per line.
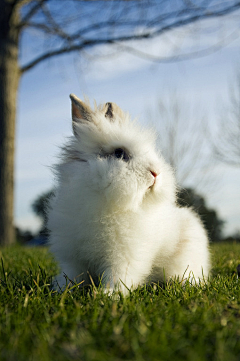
[112, 111]
[81, 112]
[108, 110]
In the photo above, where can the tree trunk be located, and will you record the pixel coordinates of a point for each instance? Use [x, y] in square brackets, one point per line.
[9, 80]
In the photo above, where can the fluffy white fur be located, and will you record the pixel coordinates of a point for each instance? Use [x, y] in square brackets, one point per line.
[115, 218]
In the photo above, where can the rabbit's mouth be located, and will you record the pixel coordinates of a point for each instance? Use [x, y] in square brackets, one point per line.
[152, 185]
[154, 178]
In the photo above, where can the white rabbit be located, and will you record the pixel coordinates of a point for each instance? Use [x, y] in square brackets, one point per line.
[114, 214]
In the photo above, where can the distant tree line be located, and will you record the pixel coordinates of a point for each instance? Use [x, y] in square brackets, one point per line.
[214, 225]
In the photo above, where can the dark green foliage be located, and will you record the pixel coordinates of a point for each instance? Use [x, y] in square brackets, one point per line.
[39, 207]
[214, 225]
[23, 236]
[153, 323]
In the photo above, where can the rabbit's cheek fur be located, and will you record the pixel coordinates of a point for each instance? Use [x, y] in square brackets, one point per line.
[112, 182]
[124, 191]
[98, 174]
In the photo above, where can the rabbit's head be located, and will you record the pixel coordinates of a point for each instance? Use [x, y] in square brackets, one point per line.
[113, 159]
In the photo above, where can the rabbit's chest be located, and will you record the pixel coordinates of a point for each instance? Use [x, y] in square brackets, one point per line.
[123, 234]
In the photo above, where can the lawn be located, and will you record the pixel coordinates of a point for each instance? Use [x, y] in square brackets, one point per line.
[152, 323]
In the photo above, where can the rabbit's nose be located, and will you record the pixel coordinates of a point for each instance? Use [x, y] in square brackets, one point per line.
[154, 174]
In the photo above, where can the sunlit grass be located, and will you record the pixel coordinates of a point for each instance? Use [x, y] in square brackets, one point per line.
[152, 323]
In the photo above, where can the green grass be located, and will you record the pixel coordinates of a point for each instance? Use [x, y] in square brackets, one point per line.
[152, 323]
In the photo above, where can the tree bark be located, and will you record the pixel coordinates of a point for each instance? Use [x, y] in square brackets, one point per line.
[9, 80]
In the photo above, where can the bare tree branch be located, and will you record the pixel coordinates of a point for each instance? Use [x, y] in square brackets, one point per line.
[226, 140]
[68, 49]
[188, 56]
[34, 9]
[182, 141]
[157, 25]
[55, 27]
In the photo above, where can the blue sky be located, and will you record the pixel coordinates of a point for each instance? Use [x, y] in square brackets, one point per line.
[43, 120]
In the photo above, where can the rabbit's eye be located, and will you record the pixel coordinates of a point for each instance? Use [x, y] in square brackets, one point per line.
[121, 154]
